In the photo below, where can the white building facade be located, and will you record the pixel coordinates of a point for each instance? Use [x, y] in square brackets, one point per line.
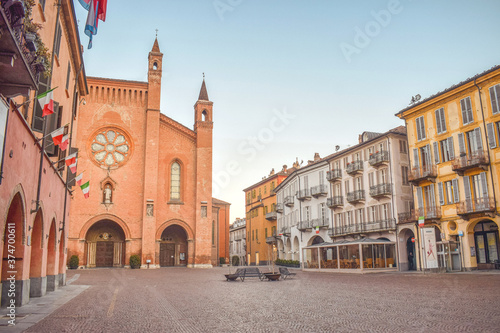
[341, 212]
[237, 241]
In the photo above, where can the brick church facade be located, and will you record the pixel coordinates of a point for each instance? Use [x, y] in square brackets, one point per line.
[150, 179]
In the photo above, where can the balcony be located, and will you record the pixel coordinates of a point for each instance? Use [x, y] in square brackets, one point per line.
[418, 174]
[304, 195]
[380, 191]
[379, 158]
[271, 216]
[319, 191]
[288, 201]
[334, 175]
[478, 159]
[356, 196]
[470, 208]
[355, 167]
[304, 226]
[320, 222]
[334, 202]
[430, 214]
[272, 239]
[377, 226]
[407, 217]
[19, 72]
[286, 231]
[279, 207]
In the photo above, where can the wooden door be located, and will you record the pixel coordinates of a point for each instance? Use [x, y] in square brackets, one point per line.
[104, 254]
[167, 253]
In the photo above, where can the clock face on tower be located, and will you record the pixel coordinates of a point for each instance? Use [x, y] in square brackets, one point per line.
[110, 147]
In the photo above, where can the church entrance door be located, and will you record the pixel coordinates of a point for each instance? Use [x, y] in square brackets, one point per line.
[167, 254]
[173, 246]
[104, 254]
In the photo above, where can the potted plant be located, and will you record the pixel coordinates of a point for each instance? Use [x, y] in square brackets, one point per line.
[135, 261]
[74, 262]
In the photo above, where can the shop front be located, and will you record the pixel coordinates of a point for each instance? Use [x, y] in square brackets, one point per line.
[351, 256]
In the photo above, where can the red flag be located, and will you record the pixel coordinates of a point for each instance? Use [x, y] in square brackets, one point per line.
[64, 142]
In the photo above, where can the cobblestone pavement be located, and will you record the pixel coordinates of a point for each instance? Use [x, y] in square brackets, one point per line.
[198, 300]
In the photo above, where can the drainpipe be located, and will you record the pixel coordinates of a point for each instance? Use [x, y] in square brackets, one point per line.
[488, 145]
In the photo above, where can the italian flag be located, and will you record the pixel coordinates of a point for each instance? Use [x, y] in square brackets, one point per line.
[71, 162]
[46, 101]
[57, 136]
[78, 179]
[85, 189]
[64, 142]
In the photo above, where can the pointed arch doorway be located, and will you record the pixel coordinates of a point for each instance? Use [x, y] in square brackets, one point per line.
[105, 244]
[173, 247]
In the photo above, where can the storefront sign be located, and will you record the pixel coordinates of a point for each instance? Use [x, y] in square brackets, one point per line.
[430, 252]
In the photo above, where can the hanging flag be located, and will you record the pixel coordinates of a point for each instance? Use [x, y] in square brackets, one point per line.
[46, 101]
[72, 166]
[85, 189]
[57, 136]
[70, 159]
[317, 230]
[78, 179]
[97, 11]
[64, 142]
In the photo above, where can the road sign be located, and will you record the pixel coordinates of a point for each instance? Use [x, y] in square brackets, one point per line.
[413, 239]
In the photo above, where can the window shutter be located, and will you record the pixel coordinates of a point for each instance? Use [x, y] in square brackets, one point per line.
[443, 121]
[432, 196]
[428, 157]
[470, 117]
[436, 152]
[456, 194]
[438, 121]
[484, 184]
[491, 135]
[467, 188]
[464, 111]
[441, 194]
[479, 141]
[422, 127]
[451, 149]
[419, 134]
[420, 198]
[495, 98]
[416, 163]
[461, 143]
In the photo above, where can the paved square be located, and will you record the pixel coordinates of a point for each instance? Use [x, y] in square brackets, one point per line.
[196, 300]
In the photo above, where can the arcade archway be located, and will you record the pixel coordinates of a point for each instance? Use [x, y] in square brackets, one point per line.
[105, 241]
[173, 246]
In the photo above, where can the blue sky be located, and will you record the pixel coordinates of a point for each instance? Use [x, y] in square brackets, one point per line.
[337, 68]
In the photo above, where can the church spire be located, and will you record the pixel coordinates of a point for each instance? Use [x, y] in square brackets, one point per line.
[203, 91]
[156, 47]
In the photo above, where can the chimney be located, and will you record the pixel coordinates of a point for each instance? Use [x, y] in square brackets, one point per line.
[316, 157]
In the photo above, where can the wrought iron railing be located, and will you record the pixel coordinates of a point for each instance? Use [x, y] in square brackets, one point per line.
[320, 190]
[478, 205]
[379, 158]
[336, 201]
[335, 174]
[355, 196]
[380, 189]
[354, 167]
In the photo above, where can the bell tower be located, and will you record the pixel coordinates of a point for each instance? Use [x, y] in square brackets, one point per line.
[151, 145]
[203, 126]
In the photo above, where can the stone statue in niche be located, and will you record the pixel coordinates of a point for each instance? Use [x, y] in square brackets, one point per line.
[149, 210]
[107, 194]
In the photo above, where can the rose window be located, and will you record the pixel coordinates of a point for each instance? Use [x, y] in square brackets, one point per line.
[110, 148]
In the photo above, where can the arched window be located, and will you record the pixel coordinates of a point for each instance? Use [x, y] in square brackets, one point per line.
[204, 115]
[175, 182]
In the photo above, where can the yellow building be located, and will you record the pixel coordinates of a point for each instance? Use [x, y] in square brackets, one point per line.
[260, 208]
[454, 143]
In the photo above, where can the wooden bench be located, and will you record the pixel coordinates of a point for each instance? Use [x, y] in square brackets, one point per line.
[286, 273]
[252, 272]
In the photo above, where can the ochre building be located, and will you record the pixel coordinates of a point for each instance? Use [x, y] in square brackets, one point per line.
[150, 179]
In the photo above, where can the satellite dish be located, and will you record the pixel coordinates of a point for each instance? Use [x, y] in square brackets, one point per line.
[337, 147]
